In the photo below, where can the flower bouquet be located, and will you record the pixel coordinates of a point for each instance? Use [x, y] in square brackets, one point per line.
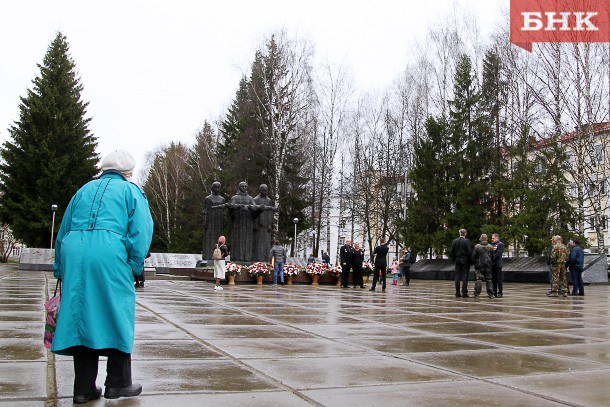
[233, 269]
[259, 269]
[334, 271]
[291, 269]
[315, 269]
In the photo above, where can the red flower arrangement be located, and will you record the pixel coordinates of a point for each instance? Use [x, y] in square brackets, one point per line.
[334, 271]
[315, 268]
[233, 269]
[291, 269]
[259, 268]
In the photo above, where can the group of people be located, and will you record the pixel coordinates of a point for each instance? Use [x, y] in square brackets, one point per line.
[487, 260]
[352, 258]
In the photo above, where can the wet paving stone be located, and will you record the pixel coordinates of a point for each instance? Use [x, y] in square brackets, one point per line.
[287, 348]
[590, 389]
[23, 380]
[330, 372]
[22, 349]
[499, 363]
[523, 339]
[426, 344]
[297, 346]
[175, 349]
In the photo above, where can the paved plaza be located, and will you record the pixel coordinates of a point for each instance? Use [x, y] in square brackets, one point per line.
[324, 346]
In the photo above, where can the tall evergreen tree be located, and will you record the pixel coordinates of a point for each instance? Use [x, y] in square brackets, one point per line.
[51, 152]
[429, 182]
[471, 146]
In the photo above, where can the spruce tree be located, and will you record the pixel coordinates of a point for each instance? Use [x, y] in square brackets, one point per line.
[51, 152]
[471, 147]
[429, 181]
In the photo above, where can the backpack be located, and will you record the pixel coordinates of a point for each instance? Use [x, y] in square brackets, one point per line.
[217, 254]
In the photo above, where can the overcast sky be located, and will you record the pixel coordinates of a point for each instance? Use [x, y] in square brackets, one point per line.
[154, 70]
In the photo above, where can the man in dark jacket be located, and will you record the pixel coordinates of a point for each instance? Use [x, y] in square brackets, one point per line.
[497, 275]
[461, 251]
[381, 263]
[346, 257]
[358, 259]
[576, 261]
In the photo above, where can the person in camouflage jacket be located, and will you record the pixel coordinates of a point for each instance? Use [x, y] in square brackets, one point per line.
[483, 258]
[559, 255]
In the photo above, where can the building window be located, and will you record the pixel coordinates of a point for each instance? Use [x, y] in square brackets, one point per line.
[341, 240]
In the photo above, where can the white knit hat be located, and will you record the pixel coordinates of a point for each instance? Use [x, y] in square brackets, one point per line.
[119, 160]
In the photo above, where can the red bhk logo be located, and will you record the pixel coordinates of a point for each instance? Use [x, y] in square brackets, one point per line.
[559, 21]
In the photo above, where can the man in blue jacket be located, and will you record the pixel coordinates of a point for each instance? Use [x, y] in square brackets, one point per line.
[576, 262]
[104, 237]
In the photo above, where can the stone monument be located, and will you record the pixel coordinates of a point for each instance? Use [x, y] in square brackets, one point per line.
[213, 220]
[242, 211]
[263, 225]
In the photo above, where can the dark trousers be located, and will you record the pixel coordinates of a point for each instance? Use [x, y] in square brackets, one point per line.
[578, 286]
[358, 276]
[345, 275]
[406, 273]
[462, 268]
[497, 279]
[379, 274]
[139, 278]
[118, 368]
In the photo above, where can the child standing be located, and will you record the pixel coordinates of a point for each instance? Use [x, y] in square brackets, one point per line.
[395, 270]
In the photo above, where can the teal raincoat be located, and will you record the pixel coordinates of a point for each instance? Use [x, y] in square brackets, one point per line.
[103, 240]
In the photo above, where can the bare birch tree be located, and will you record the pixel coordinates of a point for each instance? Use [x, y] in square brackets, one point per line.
[280, 85]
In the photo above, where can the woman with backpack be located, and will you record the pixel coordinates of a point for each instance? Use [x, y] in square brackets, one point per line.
[219, 254]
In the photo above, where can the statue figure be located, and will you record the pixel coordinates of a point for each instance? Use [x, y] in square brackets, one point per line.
[213, 220]
[243, 211]
[263, 225]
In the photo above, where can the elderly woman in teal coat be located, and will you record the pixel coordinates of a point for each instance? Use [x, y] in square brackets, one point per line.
[104, 237]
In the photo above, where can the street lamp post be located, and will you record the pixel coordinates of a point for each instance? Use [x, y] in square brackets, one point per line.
[294, 242]
[53, 209]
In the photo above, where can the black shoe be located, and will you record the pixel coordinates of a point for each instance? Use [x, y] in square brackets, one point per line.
[129, 391]
[458, 295]
[499, 295]
[383, 289]
[84, 398]
[465, 295]
[360, 286]
[372, 289]
[491, 296]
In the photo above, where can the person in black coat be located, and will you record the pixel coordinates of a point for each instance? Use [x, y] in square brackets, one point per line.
[381, 263]
[461, 252]
[497, 275]
[358, 259]
[346, 257]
